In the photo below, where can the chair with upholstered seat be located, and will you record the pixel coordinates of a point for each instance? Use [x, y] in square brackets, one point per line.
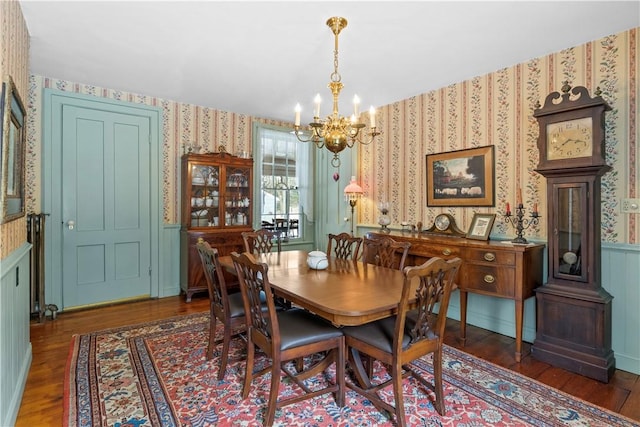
[385, 252]
[344, 246]
[398, 340]
[286, 337]
[262, 241]
[225, 307]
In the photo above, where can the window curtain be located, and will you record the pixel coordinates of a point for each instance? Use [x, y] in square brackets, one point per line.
[304, 174]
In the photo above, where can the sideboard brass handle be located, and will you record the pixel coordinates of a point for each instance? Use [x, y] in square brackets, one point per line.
[446, 252]
[489, 278]
[489, 256]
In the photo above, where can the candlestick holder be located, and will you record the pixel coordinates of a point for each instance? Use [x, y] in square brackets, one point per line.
[520, 222]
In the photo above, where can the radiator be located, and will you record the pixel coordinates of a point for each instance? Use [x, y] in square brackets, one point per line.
[35, 236]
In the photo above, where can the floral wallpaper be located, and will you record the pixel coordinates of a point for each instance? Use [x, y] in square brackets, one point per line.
[14, 61]
[497, 109]
[494, 109]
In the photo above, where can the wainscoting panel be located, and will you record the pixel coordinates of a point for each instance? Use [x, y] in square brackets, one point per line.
[621, 278]
[15, 346]
[170, 261]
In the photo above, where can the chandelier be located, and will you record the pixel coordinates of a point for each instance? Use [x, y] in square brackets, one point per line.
[336, 132]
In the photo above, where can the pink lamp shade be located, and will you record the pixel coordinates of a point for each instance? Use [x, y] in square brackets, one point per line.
[352, 191]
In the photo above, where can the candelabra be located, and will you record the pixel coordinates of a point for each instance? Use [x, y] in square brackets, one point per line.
[520, 222]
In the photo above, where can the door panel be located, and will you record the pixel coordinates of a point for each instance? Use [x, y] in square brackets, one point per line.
[105, 206]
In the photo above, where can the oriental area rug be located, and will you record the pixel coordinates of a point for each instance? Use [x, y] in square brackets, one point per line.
[156, 374]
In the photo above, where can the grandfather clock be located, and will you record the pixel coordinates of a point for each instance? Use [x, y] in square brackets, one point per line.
[573, 310]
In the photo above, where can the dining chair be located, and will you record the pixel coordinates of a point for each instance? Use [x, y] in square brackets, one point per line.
[344, 246]
[262, 241]
[225, 307]
[285, 337]
[398, 340]
[385, 252]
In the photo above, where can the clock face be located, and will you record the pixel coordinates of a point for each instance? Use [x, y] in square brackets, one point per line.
[442, 222]
[570, 139]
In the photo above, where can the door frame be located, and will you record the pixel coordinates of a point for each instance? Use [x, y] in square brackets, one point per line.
[52, 183]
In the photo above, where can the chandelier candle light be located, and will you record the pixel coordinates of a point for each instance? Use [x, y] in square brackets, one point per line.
[352, 193]
[518, 221]
[336, 132]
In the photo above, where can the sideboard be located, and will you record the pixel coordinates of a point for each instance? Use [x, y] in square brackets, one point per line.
[494, 268]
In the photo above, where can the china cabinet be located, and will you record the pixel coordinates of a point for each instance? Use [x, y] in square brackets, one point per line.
[217, 204]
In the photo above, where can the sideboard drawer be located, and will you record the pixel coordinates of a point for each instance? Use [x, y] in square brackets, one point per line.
[491, 256]
[431, 250]
[492, 280]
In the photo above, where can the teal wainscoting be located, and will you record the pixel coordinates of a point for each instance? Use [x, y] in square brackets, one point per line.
[15, 345]
[170, 261]
[621, 278]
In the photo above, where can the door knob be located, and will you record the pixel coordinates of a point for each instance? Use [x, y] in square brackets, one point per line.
[71, 224]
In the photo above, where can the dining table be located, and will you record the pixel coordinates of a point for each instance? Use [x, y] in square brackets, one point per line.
[346, 293]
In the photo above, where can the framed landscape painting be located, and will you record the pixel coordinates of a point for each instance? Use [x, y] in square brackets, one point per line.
[461, 178]
[12, 152]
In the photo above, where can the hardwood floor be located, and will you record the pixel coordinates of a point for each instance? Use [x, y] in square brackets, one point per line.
[42, 403]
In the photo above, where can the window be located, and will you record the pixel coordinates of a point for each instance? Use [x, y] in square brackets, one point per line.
[284, 173]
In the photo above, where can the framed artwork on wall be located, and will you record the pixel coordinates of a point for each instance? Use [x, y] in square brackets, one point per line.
[481, 226]
[461, 178]
[12, 152]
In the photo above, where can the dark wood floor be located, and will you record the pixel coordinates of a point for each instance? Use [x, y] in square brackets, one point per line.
[42, 403]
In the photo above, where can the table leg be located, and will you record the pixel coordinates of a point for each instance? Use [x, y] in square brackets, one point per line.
[358, 369]
[519, 316]
[463, 317]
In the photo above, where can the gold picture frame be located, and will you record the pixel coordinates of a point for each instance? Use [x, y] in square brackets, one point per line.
[481, 226]
[12, 153]
[461, 178]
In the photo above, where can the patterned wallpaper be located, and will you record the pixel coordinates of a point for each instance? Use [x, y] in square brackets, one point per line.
[497, 109]
[492, 109]
[182, 125]
[14, 61]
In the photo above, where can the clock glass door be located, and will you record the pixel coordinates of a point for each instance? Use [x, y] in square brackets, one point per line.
[570, 232]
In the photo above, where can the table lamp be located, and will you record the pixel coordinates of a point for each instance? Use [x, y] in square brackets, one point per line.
[352, 193]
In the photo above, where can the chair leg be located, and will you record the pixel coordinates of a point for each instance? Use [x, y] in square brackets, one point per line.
[212, 337]
[248, 372]
[273, 393]
[397, 394]
[224, 356]
[340, 366]
[437, 383]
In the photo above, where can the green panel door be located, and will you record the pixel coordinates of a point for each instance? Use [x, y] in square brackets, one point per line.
[105, 206]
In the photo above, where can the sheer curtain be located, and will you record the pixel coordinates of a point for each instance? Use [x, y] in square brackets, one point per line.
[304, 174]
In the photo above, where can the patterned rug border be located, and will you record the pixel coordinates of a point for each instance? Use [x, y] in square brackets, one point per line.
[82, 348]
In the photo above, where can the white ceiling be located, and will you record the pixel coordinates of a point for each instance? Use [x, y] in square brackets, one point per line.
[261, 58]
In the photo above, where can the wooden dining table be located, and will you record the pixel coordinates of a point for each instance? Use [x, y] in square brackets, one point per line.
[346, 293]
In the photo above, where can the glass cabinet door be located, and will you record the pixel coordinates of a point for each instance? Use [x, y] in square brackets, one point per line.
[205, 195]
[237, 201]
[570, 232]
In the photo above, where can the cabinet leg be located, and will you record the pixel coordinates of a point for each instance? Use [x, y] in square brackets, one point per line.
[463, 317]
